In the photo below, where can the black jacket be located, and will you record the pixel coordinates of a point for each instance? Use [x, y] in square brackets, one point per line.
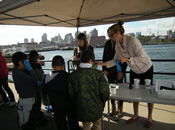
[108, 54]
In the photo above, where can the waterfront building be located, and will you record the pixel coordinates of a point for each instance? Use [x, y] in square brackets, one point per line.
[169, 34]
[94, 33]
[26, 40]
[97, 41]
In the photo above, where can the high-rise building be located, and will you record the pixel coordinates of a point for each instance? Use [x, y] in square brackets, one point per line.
[32, 40]
[173, 35]
[60, 40]
[44, 38]
[169, 34]
[26, 40]
[68, 38]
[94, 33]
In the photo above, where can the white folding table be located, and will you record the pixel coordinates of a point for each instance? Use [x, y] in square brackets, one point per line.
[137, 95]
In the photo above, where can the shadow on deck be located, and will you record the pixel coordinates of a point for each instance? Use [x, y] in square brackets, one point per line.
[8, 119]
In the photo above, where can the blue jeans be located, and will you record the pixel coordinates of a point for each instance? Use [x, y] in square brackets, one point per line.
[5, 87]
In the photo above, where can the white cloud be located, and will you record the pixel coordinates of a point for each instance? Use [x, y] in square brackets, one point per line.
[157, 26]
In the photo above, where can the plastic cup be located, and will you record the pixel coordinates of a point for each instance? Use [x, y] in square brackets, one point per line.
[147, 82]
[113, 89]
[137, 83]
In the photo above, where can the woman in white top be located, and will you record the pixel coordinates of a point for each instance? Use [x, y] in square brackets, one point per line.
[129, 50]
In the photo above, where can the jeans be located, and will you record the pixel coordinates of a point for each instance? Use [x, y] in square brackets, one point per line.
[5, 87]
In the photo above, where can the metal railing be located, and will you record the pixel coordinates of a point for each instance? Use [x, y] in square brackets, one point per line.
[71, 67]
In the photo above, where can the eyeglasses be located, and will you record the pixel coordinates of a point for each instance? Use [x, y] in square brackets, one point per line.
[112, 34]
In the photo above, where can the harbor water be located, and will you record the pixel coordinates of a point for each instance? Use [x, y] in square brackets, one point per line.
[161, 51]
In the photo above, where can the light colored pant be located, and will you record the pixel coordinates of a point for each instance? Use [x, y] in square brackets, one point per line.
[96, 125]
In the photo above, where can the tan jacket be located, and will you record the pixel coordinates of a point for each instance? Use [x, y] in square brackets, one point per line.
[139, 61]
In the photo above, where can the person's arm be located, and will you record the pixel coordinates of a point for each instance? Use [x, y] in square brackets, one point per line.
[76, 54]
[31, 73]
[123, 71]
[112, 63]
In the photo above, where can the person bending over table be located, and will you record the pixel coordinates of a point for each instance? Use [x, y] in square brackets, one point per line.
[130, 51]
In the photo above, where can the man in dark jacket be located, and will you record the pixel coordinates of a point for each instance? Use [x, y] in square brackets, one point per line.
[112, 74]
[89, 91]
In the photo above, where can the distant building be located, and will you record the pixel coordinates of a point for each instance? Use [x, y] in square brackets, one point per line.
[169, 34]
[26, 40]
[94, 33]
[68, 38]
[173, 35]
[32, 40]
[138, 34]
[44, 38]
[60, 40]
[97, 41]
[57, 39]
[29, 46]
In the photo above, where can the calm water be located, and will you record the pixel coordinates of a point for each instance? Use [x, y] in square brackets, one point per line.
[164, 51]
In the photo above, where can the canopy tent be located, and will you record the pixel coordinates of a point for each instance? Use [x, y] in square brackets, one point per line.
[81, 13]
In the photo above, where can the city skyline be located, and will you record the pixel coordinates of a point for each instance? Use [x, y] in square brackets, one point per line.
[11, 34]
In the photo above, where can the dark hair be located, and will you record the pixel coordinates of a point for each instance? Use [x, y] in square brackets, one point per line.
[58, 61]
[33, 54]
[109, 29]
[82, 36]
[87, 55]
[18, 56]
[118, 27]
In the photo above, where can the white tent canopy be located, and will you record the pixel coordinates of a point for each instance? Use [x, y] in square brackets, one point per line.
[81, 13]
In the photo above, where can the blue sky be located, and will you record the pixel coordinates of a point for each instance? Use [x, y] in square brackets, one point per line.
[10, 34]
